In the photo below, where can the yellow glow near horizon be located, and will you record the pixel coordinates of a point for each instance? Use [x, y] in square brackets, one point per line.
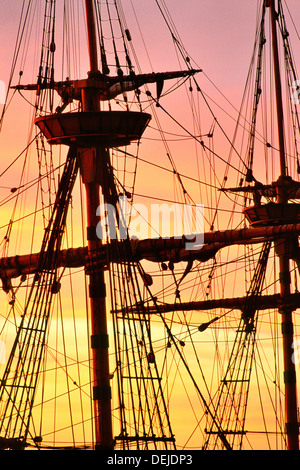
[218, 36]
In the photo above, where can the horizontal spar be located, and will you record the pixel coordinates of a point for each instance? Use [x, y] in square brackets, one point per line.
[263, 302]
[15, 266]
[155, 250]
[106, 87]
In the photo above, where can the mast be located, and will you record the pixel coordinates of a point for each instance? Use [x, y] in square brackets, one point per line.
[91, 31]
[99, 336]
[280, 214]
[93, 132]
[292, 425]
[278, 91]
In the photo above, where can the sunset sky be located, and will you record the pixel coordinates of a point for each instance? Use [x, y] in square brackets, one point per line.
[218, 37]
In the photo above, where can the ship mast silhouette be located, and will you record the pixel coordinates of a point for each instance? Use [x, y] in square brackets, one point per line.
[91, 132]
[283, 246]
[292, 425]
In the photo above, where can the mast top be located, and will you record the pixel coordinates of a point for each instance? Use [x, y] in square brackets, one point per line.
[91, 31]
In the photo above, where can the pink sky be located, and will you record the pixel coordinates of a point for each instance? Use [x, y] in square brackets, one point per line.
[217, 34]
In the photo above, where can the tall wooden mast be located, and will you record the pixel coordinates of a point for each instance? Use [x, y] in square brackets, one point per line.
[99, 339]
[292, 425]
[92, 132]
[280, 214]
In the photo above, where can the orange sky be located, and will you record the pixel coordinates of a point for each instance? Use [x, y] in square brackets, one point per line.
[218, 35]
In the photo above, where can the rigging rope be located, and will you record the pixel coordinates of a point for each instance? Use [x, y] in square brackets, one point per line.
[18, 386]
